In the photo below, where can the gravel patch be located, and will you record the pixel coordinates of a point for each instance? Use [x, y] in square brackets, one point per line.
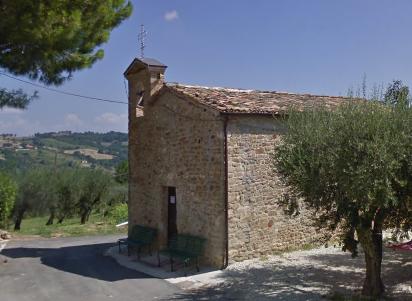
[303, 275]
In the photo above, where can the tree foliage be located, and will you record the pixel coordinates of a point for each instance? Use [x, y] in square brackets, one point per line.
[122, 172]
[397, 94]
[49, 40]
[94, 186]
[353, 166]
[31, 189]
[64, 193]
[15, 99]
[67, 193]
[8, 191]
[119, 213]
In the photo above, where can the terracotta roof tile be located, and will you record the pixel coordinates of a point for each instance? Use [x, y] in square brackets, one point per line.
[252, 101]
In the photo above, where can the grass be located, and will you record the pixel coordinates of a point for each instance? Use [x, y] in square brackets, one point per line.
[97, 225]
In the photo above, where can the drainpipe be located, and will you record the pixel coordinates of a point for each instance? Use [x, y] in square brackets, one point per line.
[226, 259]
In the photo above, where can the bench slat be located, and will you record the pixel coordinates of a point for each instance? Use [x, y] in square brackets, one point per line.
[140, 236]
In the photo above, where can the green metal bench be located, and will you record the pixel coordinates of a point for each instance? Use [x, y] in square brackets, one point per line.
[140, 236]
[187, 248]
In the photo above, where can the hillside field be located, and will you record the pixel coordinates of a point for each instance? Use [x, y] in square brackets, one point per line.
[63, 149]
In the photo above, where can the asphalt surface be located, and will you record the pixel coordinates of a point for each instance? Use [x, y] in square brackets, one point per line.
[66, 269]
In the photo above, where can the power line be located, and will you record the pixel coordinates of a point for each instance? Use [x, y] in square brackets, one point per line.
[64, 92]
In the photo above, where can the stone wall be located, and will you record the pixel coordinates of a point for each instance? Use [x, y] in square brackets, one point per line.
[257, 225]
[179, 144]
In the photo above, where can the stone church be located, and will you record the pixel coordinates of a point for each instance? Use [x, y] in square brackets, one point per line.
[201, 163]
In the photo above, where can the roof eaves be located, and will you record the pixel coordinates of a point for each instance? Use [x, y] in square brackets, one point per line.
[144, 61]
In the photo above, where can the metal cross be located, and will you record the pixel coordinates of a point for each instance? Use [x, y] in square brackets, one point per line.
[142, 38]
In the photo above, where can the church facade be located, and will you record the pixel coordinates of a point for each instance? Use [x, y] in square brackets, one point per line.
[201, 163]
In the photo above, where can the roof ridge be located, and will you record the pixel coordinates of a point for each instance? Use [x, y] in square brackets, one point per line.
[209, 87]
[175, 84]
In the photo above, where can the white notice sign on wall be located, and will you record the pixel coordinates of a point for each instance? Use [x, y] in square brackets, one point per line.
[172, 199]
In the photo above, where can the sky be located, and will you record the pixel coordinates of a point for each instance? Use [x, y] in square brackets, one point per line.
[317, 46]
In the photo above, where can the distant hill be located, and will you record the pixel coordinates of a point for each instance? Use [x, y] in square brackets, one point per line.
[88, 150]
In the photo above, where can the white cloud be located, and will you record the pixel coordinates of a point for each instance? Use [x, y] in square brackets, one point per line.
[15, 124]
[72, 120]
[111, 122]
[11, 111]
[171, 15]
[11, 124]
[111, 118]
[25, 124]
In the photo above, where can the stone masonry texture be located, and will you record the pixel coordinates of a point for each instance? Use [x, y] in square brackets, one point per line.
[257, 224]
[179, 144]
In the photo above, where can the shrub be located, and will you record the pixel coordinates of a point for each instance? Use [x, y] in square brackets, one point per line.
[119, 213]
[8, 191]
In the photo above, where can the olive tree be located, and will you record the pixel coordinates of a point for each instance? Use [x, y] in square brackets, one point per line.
[397, 94]
[30, 195]
[68, 191]
[353, 166]
[94, 187]
[122, 172]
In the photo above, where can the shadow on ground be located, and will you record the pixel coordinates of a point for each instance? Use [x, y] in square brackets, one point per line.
[84, 260]
[318, 277]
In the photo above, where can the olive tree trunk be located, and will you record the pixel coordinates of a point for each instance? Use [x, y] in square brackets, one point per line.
[51, 218]
[83, 219]
[371, 242]
[61, 219]
[84, 216]
[19, 217]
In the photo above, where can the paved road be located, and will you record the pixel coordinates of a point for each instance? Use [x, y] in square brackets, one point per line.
[66, 269]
